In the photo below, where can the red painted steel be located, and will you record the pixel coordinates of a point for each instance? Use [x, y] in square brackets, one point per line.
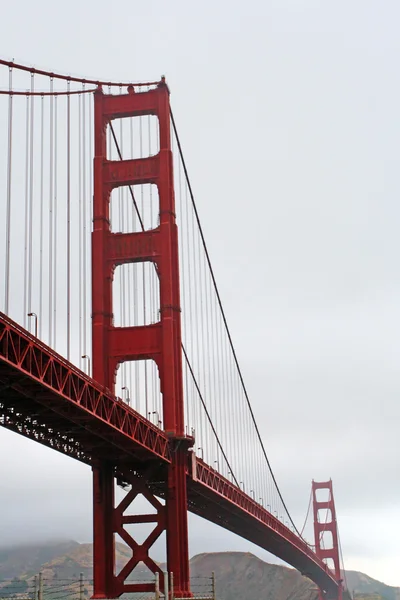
[60, 392]
[160, 342]
[329, 524]
[45, 398]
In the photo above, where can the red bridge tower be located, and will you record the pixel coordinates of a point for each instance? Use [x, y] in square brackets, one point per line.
[160, 342]
[330, 524]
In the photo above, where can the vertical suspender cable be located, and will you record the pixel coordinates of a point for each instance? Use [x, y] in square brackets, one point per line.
[30, 250]
[50, 335]
[68, 222]
[84, 239]
[41, 216]
[55, 213]
[91, 161]
[26, 236]
[80, 225]
[9, 178]
[90, 190]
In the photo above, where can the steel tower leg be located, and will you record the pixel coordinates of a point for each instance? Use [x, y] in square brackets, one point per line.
[177, 525]
[103, 540]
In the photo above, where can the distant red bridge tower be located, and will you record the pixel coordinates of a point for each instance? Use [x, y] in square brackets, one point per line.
[328, 525]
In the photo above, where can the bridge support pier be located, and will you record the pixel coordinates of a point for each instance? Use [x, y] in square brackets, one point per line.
[110, 520]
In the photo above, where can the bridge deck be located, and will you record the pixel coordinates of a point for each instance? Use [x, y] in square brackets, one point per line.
[45, 398]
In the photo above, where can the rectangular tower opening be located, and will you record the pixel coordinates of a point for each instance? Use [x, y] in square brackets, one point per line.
[324, 515]
[134, 208]
[136, 295]
[133, 137]
[138, 384]
[327, 540]
[322, 494]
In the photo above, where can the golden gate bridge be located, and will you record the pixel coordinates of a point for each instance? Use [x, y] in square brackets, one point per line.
[114, 344]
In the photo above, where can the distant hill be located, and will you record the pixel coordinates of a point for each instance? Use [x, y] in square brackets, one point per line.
[79, 559]
[243, 576]
[25, 561]
[239, 575]
[363, 584]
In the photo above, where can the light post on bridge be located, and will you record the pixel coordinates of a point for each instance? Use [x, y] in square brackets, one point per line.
[127, 399]
[32, 314]
[155, 412]
[88, 361]
[202, 452]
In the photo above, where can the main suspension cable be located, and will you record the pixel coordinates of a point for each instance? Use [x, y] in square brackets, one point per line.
[13, 65]
[225, 320]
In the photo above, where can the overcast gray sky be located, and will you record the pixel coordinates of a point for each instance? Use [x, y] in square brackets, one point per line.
[289, 116]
